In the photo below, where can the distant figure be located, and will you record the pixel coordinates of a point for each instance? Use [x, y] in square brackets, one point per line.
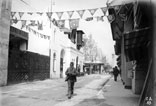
[71, 79]
[115, 73]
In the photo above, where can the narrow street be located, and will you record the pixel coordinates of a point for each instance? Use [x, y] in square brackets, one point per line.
[90, 90]
[52, 92]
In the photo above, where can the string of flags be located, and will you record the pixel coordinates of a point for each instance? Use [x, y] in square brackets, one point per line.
[28, 27]
[73, 23]
[70, 13]
[60, 14]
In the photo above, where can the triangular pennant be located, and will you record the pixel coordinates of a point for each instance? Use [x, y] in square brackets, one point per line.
[23, 23]
[15, 20]
[13, 14]
[61, 23]
[70, 13]
[48, 37]
[54, 22]
[104, 10]
[59, 14]
[111, 18]
[89, 19]
[32, 23]
[49, 14]
[26, 27]
[92, 11]
[44, 36]
[41, 36]
[40, 13]
[30, 13]
[21, 14]
[74, 23]
[81, 12]
[40, 25]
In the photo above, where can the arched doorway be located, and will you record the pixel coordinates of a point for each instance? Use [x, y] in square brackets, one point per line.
[61, 62]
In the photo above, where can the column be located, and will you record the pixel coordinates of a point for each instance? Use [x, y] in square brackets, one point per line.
[5, 8]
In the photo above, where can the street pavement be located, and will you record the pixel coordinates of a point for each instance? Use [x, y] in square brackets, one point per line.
[90, 90]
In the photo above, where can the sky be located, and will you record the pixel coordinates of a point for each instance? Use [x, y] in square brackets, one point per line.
[100, 31]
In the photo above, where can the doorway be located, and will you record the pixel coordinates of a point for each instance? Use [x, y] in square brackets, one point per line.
[61, 62]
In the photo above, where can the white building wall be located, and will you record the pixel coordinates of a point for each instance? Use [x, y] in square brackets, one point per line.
[38, 45]
[60, 41]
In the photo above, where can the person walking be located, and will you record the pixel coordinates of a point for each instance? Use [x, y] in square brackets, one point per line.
[71, 74]
[115, 73]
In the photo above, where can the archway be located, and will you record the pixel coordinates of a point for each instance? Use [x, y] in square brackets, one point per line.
[61, 62]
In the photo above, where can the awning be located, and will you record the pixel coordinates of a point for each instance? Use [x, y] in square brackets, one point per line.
[137, 38]
[136, 43]
[18, 33]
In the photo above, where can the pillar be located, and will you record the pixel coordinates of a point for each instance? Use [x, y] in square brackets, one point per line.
[124, 67]
[5, 8]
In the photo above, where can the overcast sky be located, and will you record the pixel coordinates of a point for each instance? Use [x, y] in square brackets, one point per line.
[101, 31]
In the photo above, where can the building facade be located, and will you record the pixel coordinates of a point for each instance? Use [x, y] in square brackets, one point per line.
[63, 51]
[133, 29]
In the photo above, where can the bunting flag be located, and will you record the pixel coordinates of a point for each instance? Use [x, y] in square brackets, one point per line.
[81, 12]
[13, 14]
[49, 14]
[40, 25]
[30, 13]
[92, 11]
[40, 13]
[37, 33]
[100, 18]
[54, 22]
[41, 35]
[104, 10]
[74, 23]
[61, 23]
[32, 23]
[111, 18]
[23, 23]
[89, 19]
[70, 13]
[14, 21]
[59, 14]
[21, 14]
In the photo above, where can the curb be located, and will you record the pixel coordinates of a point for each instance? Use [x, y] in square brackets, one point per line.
[106, 81]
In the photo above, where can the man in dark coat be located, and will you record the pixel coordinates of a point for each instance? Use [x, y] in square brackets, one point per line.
[71, 79]
[115, 73]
